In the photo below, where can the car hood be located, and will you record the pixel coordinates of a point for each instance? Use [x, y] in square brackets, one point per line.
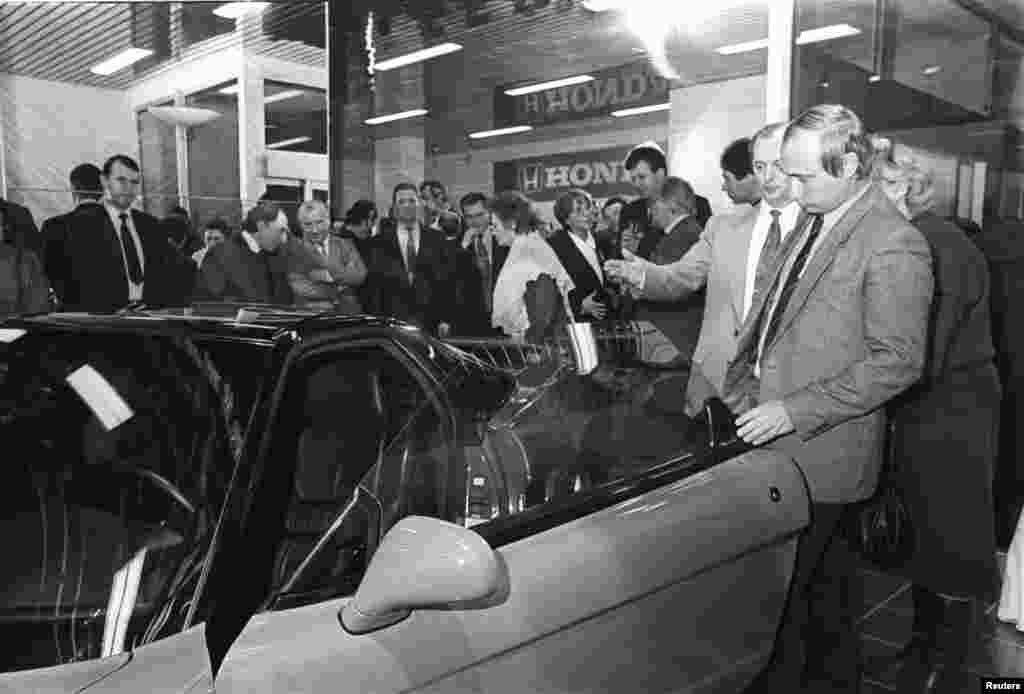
[61, 679]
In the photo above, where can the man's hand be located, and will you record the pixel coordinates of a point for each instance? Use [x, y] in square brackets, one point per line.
[764, 423]
[593, 307]
[628, 271]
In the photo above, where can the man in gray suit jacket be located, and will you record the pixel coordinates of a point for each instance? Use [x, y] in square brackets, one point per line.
[841, 331]
[734, 253]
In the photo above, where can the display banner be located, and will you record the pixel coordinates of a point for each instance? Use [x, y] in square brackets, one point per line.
[600, 172]
[613, 89]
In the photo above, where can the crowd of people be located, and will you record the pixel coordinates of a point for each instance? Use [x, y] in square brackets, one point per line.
[835, 313]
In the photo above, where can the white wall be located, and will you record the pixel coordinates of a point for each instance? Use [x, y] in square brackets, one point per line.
[51, 127]
[704, 119]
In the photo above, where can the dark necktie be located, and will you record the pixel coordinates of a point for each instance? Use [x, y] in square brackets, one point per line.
[131, 253]
[769, 253]
[410, 255]
[791, 279]
[483, 262]
[268, 269]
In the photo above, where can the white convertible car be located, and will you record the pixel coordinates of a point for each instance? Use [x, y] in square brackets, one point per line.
[298, 504]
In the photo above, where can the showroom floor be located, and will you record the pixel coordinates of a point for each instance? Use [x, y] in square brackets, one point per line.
[999, 651]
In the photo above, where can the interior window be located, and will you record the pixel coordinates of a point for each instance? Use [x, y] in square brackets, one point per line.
[365, 422]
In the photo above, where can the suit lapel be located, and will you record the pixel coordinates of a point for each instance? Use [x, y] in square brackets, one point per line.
[823, 257]
[738, 256]
[395, 249]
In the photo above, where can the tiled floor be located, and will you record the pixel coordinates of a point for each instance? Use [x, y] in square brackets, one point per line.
[886, 625]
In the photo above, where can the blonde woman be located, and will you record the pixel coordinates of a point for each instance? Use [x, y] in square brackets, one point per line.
[945, 432]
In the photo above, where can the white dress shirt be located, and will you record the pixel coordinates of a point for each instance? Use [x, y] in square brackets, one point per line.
[134, 290]
[404, 233]
[787, 221]
[469, 241]
[588, 248]
[828, 222]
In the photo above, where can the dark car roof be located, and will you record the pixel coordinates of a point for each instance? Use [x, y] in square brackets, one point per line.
[231, 321]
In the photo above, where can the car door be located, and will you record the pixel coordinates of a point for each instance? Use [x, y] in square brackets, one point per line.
[635, 585]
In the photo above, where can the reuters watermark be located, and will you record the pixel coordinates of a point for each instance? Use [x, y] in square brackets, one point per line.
[1002, 684]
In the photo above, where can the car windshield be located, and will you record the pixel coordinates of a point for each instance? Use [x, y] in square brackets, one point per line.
[119, 456]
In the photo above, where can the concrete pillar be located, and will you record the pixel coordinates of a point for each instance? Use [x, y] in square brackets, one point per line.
[252, 142]
[779, 74]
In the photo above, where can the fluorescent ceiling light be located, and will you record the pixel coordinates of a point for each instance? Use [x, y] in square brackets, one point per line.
[285, 143]
[832, 31]
[232, 89]
[826, 33]
[603, 5]
[642, 109]
[377, 120]
[417, 56]
[281, 96]
[120, 61]
[744, 47]
[501, 131]
[234, 10]
[553, 84]
[931, 69]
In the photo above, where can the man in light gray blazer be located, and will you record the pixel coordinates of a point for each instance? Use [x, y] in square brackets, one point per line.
[732, 254]
[841, 330]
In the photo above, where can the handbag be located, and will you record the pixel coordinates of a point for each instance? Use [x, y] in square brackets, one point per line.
[880, 528]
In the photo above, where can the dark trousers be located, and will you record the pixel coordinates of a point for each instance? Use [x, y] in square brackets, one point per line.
[817, 648]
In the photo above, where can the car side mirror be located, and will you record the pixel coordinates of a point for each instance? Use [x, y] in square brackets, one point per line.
[422, 563]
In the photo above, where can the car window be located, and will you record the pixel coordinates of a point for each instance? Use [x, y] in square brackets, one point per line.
[562, 433]
[116, 469]
[362, 420]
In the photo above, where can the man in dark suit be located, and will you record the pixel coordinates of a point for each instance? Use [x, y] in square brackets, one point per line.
[478, 260]
[648, 168]
[117, 255]
[678, 321]
[86, 191]
[576, 248]
[249, 266]
[410, 268]
[438, 213]
[839, 332]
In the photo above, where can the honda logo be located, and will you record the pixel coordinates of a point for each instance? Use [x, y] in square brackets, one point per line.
[529, 177]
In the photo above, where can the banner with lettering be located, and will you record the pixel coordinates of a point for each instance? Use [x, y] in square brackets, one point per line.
[612, 89]
[600, 172]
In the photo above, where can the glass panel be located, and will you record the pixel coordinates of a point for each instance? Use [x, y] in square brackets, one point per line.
[198, 22]
[296, 118]
[924, 74]
[898, 63]
[214, 183]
